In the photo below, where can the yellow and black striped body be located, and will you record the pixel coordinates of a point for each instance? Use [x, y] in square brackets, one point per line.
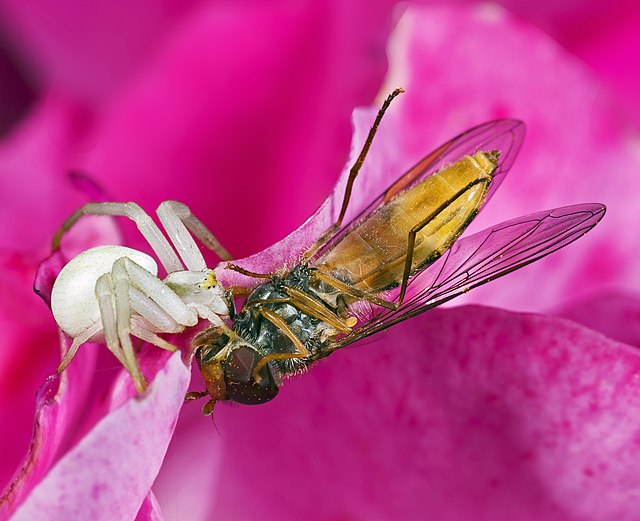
[372, 255]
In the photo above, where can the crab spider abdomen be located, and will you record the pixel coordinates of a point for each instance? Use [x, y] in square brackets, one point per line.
[73, 298]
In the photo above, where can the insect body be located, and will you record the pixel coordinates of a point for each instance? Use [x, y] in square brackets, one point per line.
[400, 257]
[362, 278]
[372, 256]
[111, 292]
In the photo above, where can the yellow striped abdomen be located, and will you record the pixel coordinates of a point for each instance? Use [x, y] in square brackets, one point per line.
[372, 255]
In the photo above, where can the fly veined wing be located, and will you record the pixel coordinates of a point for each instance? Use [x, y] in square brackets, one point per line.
[480, 258]
[504, 135]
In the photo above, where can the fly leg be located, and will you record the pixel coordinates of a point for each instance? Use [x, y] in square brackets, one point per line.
[279, 322]
[308, 305]
[315, 308]
[353, 173]
[411, 242]
[350, 290]
[242, 271]
[211, 371]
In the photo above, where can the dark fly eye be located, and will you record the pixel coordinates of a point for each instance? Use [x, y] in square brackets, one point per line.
[241, 385]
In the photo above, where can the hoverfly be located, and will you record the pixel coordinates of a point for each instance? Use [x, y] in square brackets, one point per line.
[400, 257]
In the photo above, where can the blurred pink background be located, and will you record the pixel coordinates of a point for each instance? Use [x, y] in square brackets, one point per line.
[243, 111]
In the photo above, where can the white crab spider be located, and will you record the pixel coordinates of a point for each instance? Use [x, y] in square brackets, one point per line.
[111, 292]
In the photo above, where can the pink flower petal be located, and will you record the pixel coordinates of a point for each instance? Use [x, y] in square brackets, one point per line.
[577, 149]
[614, 313]
[375, 177]
[32, 166]
[15, 93]
[31, 353]
[198, 447]
[508, 416]
[59, 404]
[74, 45]
[603, 34]
[468, 413]
[60, 135]
[127, 447]
[37, 193]
[150, 510]
[286, 95]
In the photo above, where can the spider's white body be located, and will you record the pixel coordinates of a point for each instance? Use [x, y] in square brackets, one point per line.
[73, 299]
[111, 292]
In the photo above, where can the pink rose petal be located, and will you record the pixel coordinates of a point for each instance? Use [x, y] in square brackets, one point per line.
[461, 66]
[73, 45]
[500, 415]
[108, 474]
[34, 162]
[30, 353]
[376, 175]
[198, 447]
[59, 404]
[468, 413]
[150, 510]
[184, 128]
[603, 34]
[614, 313]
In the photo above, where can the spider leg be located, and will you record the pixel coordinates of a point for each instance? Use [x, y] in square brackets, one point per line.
[178, 221]
[207, 314]
[155, 289]
[140, 329]
[83, 337]
[126, 289]
[160, 307]
[155, 316]
[132, 211]
[120, 280]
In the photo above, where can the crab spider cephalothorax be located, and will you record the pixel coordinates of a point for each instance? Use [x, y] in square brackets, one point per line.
[111, 292]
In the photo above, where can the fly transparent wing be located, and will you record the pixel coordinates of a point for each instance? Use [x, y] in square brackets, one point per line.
[481, 258]
[504, 135]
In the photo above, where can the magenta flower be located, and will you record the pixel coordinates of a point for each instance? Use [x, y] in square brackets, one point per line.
[465, 413]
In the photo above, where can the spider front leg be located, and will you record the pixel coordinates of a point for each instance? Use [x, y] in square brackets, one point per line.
[144, 223]
[129, 299]
[180, 223]
[156, 305]
[129, 288]
[121, 281]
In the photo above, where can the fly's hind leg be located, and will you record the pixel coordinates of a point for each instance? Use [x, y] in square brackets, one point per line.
[350, 290]
[353, 173]
[411, 243]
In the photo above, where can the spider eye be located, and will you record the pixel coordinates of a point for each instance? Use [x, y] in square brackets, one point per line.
[241, 385]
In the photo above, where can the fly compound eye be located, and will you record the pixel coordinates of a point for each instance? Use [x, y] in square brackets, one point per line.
[241, 385]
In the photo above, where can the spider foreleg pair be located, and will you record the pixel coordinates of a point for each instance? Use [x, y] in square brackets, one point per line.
[112, 292]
